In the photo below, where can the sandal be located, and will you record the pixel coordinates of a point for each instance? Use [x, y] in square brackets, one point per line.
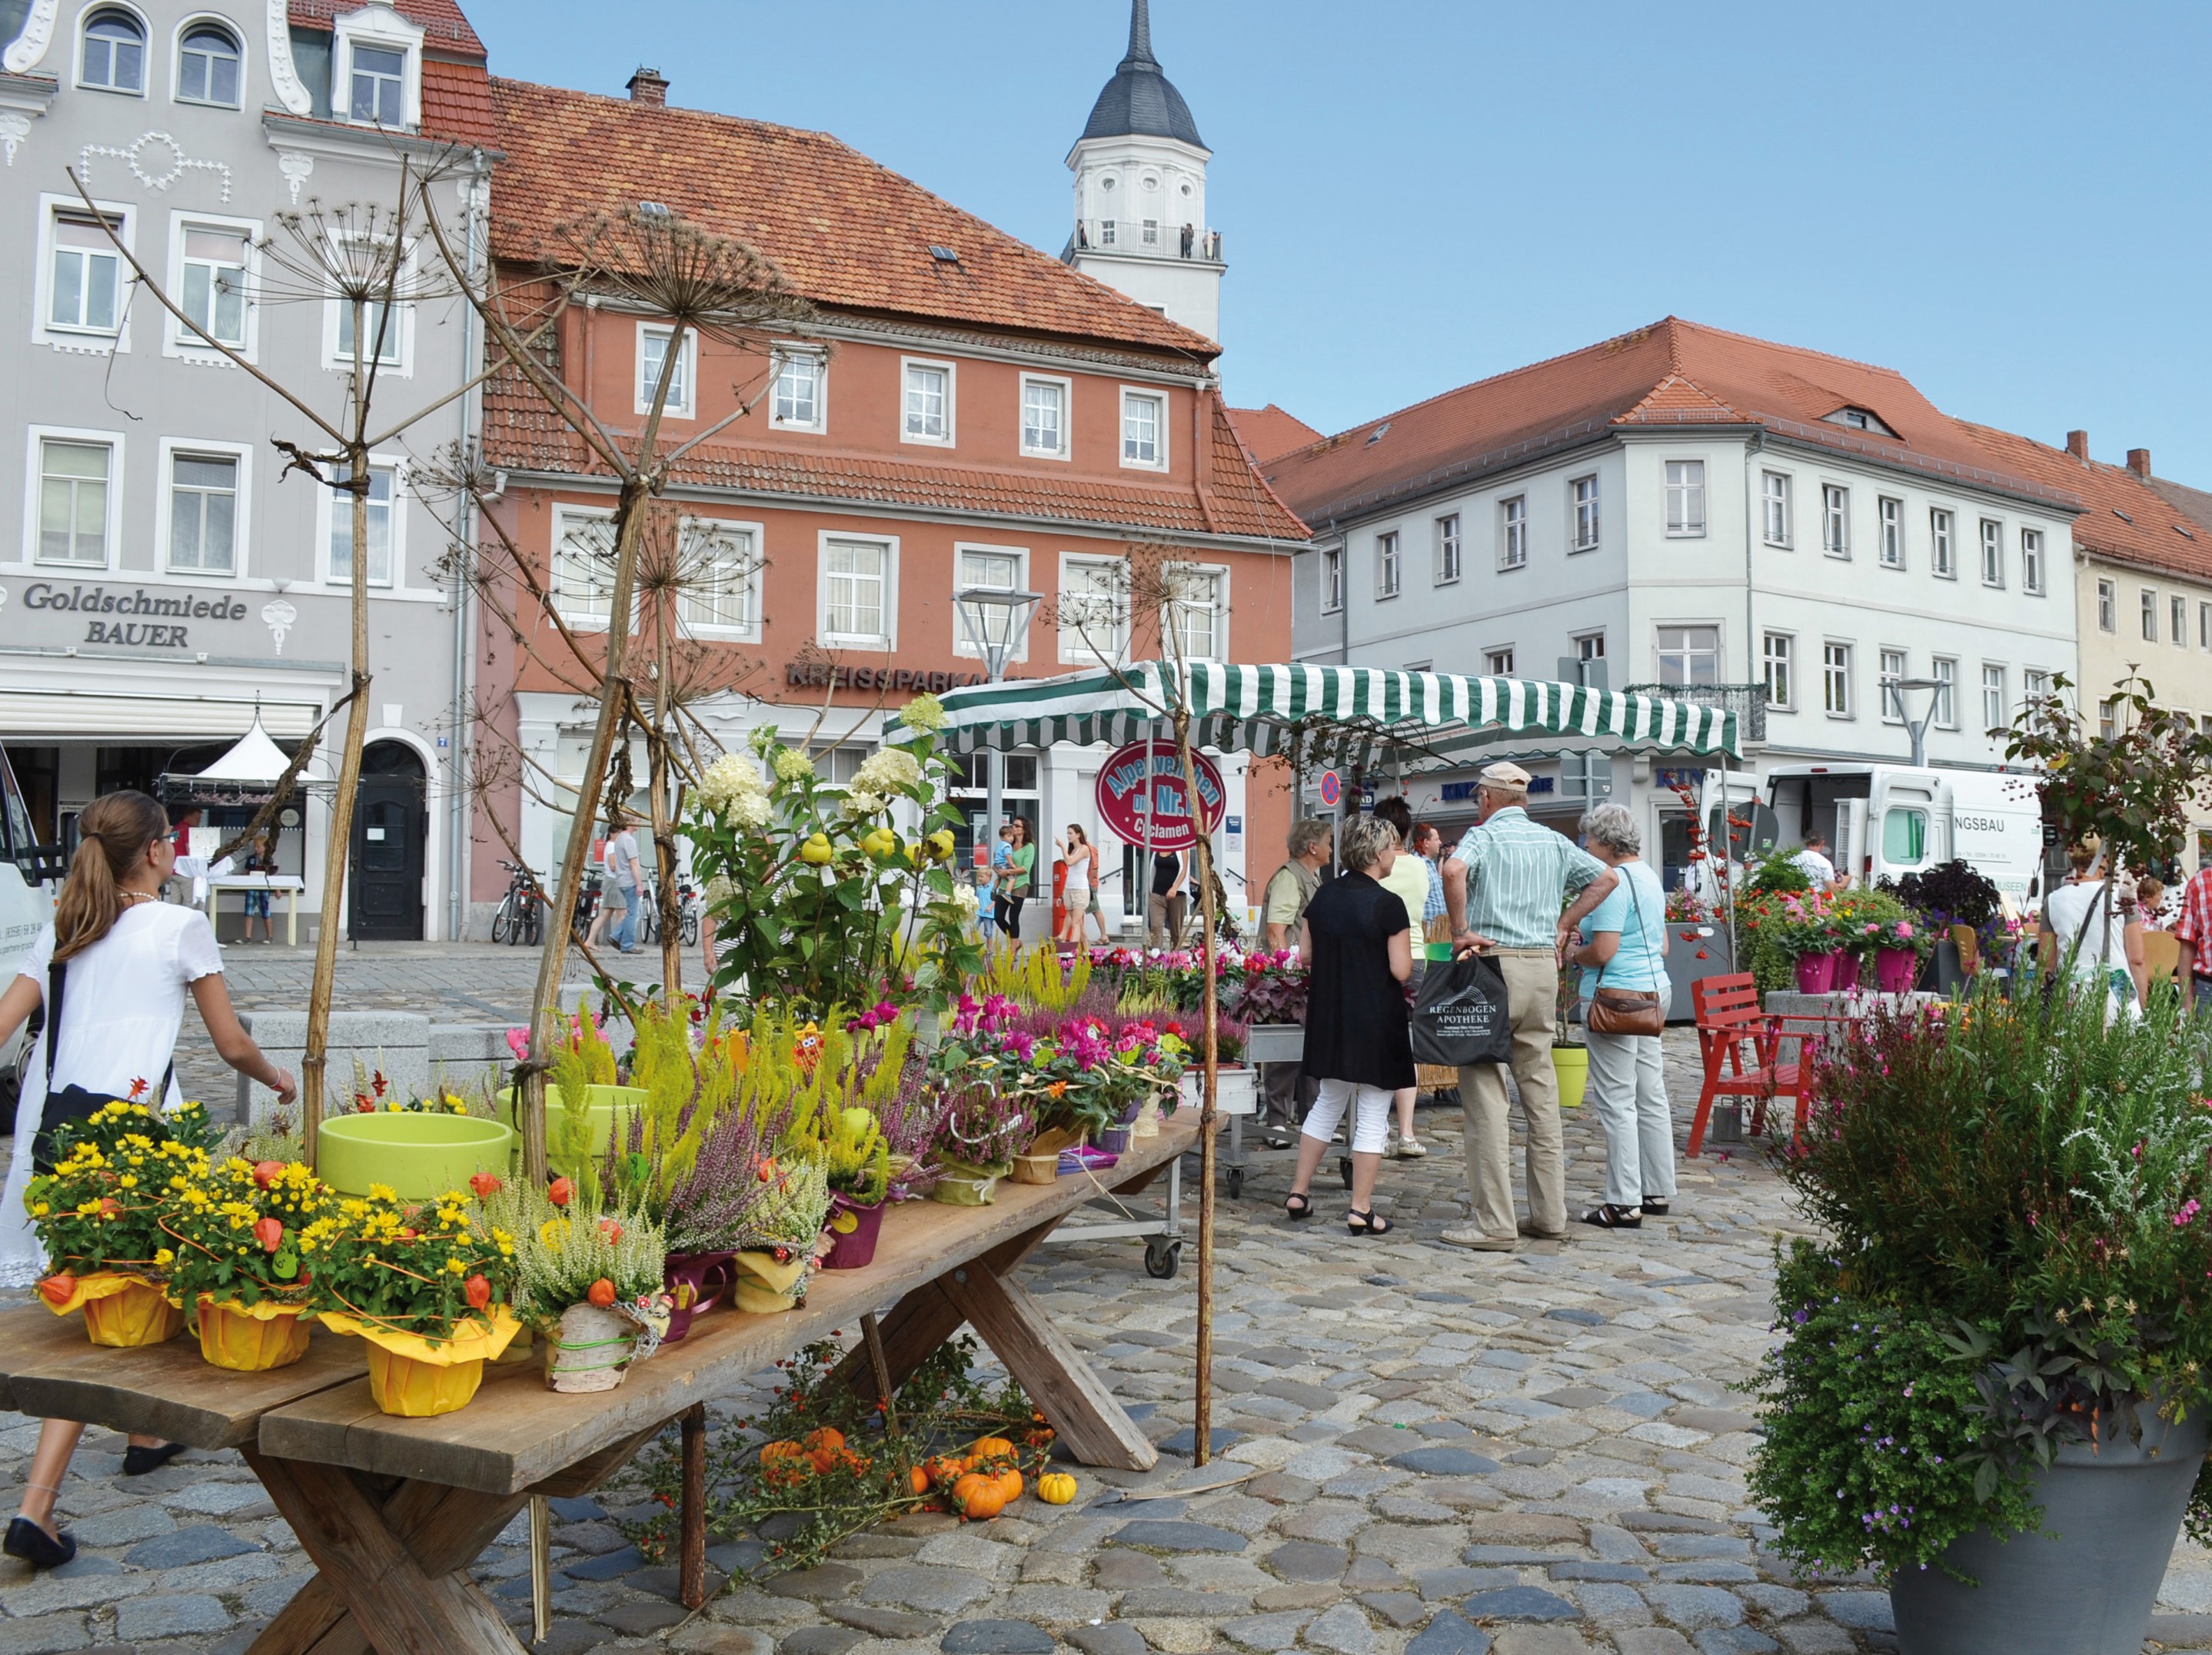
[1654, 1209]
[1610, 1217]
[1368, 1224]
[138, 1461]
[1302, 1209]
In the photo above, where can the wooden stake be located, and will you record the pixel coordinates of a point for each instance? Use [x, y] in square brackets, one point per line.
[541, 1568]
[1202, 848]
[873, 1337]
[691, 1576]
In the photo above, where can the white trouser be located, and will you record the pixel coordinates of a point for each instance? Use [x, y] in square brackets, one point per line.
[1628, 1088]
[1370, 1122]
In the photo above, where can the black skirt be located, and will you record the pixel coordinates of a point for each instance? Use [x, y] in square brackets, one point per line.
[1355, 1026]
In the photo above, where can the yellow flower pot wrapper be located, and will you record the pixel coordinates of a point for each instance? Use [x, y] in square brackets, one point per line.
[411, 1389]
[478, 1339]
[252, 1339]
[122, 1310]
[766, 1285]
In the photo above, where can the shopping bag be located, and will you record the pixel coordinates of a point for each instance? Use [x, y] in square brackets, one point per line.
[1461, 1016]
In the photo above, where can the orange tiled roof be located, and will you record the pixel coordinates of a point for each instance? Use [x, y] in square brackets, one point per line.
[1671, 373]
[2124, 517]
[520, 432]
[1272, 430]
[846, 231]
[456, 104]
[445, 29]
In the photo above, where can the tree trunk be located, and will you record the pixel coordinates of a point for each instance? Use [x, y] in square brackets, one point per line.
[664, 839]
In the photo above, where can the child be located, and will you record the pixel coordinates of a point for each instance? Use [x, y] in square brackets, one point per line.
[262, 859]
[987, 923]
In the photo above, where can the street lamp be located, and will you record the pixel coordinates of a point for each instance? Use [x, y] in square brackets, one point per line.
[993, 620]
[1918, 726]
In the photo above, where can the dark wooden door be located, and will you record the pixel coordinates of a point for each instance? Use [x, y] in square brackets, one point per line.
[391, 821]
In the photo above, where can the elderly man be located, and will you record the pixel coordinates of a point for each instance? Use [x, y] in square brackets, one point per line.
[1281, 905]
[1504, 888]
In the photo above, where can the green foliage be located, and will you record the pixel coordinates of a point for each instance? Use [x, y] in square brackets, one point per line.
[407, 1268]
[855, 1158]
[2133, 788]
[1034, 976]
[1777, 873]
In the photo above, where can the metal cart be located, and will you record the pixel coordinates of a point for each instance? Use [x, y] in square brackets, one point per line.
[1162, 1235]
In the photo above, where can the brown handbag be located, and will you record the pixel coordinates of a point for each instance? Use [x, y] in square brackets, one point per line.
[1623, 1011]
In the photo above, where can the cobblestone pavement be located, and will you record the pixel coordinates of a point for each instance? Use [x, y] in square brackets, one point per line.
[1535, 1454]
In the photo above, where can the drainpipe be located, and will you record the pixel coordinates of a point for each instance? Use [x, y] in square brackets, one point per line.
[457, 811]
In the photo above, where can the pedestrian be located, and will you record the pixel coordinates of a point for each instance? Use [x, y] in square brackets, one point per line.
[1282, 901]
[1428, 844]
[1355, 935]
[1014, 878]
[1503, 888]
[1623, 945]
[2095, 940]
[1409, 880]
[1164, 907]
[1080, 858]
[111, 970]
[1002, 867]
[1813, 862]
[261, 860]
[985, 878]
[1097, 908]
[2194, 930]
[623, 879]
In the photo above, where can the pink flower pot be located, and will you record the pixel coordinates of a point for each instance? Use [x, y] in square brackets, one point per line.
[1814, 971]
[1895, 970]
[695, 1281]
[854, 1248]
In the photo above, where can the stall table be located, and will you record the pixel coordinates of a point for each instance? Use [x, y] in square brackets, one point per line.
[287, 886]
[392, 1511]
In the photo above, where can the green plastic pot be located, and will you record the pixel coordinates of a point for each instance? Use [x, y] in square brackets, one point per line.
[1571, 1064]
[604, 1101]
[419, 1157]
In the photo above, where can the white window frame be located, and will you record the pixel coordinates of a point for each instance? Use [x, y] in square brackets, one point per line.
[1947, 698]
[1588, 645]
[2147, 607]
[2204, 625]
[1889, 532]
[379, 26]
[1497, 663]
[750, 632]
[184, 342]
[1580, 507]
[684, 406]
[1513, 532]
[2035, 684]
[1943, 543]
[241, 537]
[1886, 679]
[335, 309]
[1218, 573]
[1072, 646]
[563, 514]
[1389, 566]
[951, 372]
[1451, 549]
[887, 640]
[1989, 541]
[84, 20]
[1679, 525]
[1776, 509]
[1159, 401]
[1836, 520]
[961, 647]
[779, 356]
[1066, 451]
[2177, 619]
[83, 341]
[2031, 573]
[213, 20]
[1720, 647]
[1997, 694]
[34, 469]
[1785, 658]
[2108, 607]
[1836, 700]
[327, 509]
[1332, 581]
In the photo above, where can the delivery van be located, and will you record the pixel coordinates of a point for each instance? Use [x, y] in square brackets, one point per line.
[1885, 820]
[29, 880]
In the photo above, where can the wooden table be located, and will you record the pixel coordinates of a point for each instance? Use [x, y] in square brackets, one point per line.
[393, 1511]
[288, 886]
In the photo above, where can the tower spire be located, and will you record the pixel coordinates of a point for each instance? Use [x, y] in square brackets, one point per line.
[1140, 35]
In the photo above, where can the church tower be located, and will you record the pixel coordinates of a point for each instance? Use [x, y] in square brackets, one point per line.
[1140, 172]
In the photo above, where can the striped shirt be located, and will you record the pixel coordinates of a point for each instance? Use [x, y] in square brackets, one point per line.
[2195, 925]
[1519, 877]
[1434, 907]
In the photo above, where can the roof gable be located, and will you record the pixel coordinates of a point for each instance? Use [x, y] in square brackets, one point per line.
[2124, 517]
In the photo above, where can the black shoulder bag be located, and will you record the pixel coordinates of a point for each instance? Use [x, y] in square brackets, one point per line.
[72, 1103]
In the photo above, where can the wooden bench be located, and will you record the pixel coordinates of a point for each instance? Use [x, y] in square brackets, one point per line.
[1730, 1025]
[392, 1511]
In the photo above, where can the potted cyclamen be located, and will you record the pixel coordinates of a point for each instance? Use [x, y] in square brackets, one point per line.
[98, 1217]
[233, 1259]
[1994, 1376]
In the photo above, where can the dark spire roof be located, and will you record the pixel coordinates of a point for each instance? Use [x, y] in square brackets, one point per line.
[1139, 99]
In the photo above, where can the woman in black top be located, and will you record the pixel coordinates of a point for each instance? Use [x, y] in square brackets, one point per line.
[1358, 948]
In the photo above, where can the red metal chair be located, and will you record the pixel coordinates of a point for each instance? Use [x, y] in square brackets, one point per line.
[1730, 1025]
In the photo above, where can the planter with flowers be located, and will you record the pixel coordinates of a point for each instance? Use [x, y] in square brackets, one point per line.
[856, 1165]
[591, 1283]
[416, 1147]
[1271, 1002]
[984, 1129]
[585, 1076]
[424, 1284]
[781, 1244]
[234, 1259]
[98, 1217]
[1698, 947]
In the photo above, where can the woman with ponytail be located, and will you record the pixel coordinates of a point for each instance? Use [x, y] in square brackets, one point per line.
[112, 974]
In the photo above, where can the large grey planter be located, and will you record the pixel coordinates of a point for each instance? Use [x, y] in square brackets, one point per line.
[2085, 1582]
[1274, 1042]
[1684, 968]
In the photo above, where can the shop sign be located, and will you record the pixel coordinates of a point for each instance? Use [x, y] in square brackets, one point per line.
[1143, 783]
[820, 674]
[135, 619]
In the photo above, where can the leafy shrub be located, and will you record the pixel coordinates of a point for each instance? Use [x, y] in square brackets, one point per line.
[1950, 893]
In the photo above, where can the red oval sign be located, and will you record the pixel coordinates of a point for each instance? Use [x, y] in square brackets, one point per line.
[1143, 782]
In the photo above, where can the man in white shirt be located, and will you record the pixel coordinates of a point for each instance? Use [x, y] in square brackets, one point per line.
[622, 877]
[1813, 862]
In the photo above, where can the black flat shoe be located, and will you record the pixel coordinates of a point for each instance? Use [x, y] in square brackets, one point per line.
[138, 1461]
[1368, 1224]
[28, 1541]
[1654, 1209]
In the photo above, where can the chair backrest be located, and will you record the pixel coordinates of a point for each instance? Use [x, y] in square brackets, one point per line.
[1969, 944]
[1726, 1002]
[2161, 954]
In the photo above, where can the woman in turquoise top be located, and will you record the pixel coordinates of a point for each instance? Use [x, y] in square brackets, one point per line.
[1623, 945]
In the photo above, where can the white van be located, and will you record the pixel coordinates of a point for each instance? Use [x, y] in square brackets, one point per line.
[27, 902]
[1885, 820]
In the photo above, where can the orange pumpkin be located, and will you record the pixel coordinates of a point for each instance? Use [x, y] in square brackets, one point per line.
[824, 1445]
[984, 1501]
[970, 1482]
[783, 1464]
[991, 1448]
[944, 1470]
[918, 1479]
[1010, 1486]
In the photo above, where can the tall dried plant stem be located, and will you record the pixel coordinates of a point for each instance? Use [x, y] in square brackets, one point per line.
[1202, 850]
[664, 840]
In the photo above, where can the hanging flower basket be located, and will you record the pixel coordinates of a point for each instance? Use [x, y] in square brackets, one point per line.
[252, 1340]
[122, 1310]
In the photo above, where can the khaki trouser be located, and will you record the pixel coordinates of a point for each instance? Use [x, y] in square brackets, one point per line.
[1166, 915]
[1532, 987]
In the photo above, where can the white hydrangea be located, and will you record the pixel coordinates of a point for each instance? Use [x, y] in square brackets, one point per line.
[925, 712]
[892, 770]
[791, 765]
[729, 777]
[861, 802]
[748, 810]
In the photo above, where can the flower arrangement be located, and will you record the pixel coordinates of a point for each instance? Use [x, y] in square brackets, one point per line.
[984, 1128]
[234, 1233]
[98, 1211]
[1273, 989]
[419, 1269]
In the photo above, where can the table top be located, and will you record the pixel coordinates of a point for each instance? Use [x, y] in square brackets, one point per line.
[517, 1432]
[256, 882]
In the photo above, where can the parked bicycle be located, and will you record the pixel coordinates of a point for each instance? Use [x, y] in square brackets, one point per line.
[520, 917]
[687, 911]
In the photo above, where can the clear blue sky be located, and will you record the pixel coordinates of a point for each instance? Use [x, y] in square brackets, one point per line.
[2008, 203]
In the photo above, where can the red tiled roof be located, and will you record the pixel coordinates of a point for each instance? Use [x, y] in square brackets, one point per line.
[456, 104]
[443, 25]
[521, 433]
[1671, 373]
[2128, 518]
[845, 231]
[1272, 430]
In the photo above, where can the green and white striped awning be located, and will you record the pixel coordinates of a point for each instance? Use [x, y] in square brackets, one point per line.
[1340, 716]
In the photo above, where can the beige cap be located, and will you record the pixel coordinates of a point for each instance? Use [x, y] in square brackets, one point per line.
[1503, 774]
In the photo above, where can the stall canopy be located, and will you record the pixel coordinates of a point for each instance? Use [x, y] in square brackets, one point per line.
[1347, 717]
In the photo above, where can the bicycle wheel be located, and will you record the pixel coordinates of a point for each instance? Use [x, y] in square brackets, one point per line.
[691, 928]
[531, 926]
[503, 920]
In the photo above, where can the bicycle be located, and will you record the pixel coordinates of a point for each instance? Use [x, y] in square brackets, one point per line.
[687, 913]
[517, 919]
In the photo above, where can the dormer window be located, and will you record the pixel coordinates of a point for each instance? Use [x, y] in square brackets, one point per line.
[114, 53]
[1859, 418]
[208, 62]
[377, 68]
[380, 86]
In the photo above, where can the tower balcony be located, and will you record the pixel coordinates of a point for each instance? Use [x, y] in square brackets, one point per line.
[1146, 238]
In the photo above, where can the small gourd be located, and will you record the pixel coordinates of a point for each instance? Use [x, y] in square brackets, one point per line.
[1010, 1485]
[1056, 1488]
[823, 1446]
[984, 1501]
[985, 1448]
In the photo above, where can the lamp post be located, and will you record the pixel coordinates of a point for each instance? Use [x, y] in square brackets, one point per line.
[1918, 727]
[994, 620]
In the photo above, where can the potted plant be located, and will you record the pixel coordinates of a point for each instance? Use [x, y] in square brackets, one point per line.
[856, 1165]
[984, 1129]
[417, 1148]
[589, 1281]
[1271, 1001]
[584, 1080]
[1569, 1055]
[233, 1259]
[1695, 950]
[425, 1284]
[1995, 1377]
[781, 1242]
[98, 1217]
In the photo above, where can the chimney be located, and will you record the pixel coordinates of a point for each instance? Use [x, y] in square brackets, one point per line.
[2139, 461]
[648, 86]
[2077, 444]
